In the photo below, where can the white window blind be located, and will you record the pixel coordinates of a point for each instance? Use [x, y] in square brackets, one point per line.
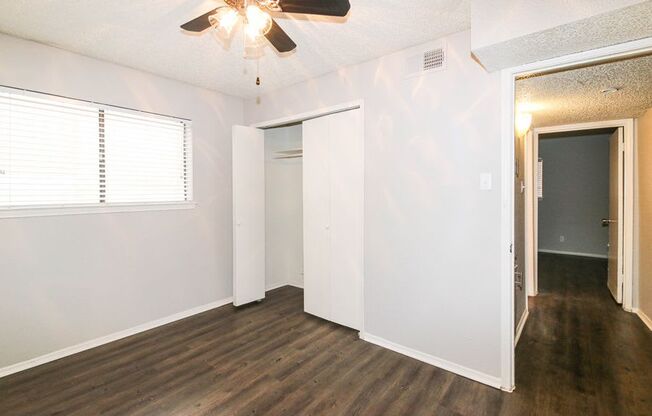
[63, 152]
[146, 159]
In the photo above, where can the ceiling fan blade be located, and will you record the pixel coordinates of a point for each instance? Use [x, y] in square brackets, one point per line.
[279, 39]
[320, 7]
[198, 24]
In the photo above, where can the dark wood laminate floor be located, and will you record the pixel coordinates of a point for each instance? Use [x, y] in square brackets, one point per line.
[579, 354]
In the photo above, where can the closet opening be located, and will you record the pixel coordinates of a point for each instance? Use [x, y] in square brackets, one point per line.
[284, 206]
[298, 211]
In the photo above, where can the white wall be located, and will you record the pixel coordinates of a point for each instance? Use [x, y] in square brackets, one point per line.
[644, 208]
[432, 238]
[576, 194]
[69, 279]
[283, 209]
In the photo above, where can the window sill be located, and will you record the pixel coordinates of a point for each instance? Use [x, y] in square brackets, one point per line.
[48, 211]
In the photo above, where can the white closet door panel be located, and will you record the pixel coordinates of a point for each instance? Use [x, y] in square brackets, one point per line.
[316, 214]
[346, 225]
[248, 215]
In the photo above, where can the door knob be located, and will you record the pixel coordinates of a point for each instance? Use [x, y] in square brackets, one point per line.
[606, 221]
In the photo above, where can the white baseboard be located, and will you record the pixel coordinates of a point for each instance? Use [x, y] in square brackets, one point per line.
[574, 253]
[436, 361]
[520, 326]
[646, 319]
[275, 286]
[74, 349]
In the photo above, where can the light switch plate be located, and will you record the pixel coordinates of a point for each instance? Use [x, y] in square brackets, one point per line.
[485, 181]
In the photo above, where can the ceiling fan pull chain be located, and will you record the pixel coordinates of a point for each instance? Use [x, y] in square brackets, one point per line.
[258, 71]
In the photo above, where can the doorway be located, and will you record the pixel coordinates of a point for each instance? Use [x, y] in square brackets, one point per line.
[516, 114]
[603, 151]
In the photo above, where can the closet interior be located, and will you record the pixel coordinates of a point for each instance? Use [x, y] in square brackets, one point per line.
[283, 206]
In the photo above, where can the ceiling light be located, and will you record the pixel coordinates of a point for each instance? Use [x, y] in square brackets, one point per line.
[610, 90]
[523, 123]
[258, 22]
[223, 21]
[528, 107]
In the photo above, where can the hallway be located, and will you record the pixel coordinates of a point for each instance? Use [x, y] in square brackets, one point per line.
[580, 353]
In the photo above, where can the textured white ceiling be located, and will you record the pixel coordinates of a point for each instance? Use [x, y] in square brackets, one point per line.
[574, 96]
[610, 28]
[145, 34]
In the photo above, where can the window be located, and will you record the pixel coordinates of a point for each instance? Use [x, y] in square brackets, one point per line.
[57, 152]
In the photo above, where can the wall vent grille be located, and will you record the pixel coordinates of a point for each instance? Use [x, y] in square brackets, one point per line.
[425, 62]
[433, 59]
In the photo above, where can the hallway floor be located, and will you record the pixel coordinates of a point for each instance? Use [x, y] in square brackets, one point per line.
[580, 354]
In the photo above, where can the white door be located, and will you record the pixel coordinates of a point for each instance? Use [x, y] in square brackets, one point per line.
[347, 190]
[333, 196]
[316, 218]
[248, 215]
[616, 165]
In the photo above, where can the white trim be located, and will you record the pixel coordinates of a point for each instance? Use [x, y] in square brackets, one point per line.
[508, 77]
[529, 228]
[320, 112]
[507, 232]
[584, 126]
[74, 349]
[521, 325]
[435, 361]
[535, 220]
[283, 284]
[628, 235]
[276, 286]
[573, 253]
[48, 211]
[646, 319]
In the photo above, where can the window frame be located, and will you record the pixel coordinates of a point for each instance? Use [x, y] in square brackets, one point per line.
[106, 207]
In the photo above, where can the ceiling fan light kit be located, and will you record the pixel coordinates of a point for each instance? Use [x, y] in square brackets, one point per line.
[258, 22]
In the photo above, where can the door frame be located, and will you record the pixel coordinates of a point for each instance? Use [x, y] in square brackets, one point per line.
[508, 79]
[626, 208]
[320, 112]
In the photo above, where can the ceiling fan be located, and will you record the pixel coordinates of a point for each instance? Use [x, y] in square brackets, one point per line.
[255, 14]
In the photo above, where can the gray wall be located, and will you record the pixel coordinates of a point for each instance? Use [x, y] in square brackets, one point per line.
[69, 279]
[432, 237]
[575, 194]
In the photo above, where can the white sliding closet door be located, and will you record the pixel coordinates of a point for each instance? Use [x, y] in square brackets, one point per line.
[333, 217]
[316, 218]
[248, 215]
[347, 197]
